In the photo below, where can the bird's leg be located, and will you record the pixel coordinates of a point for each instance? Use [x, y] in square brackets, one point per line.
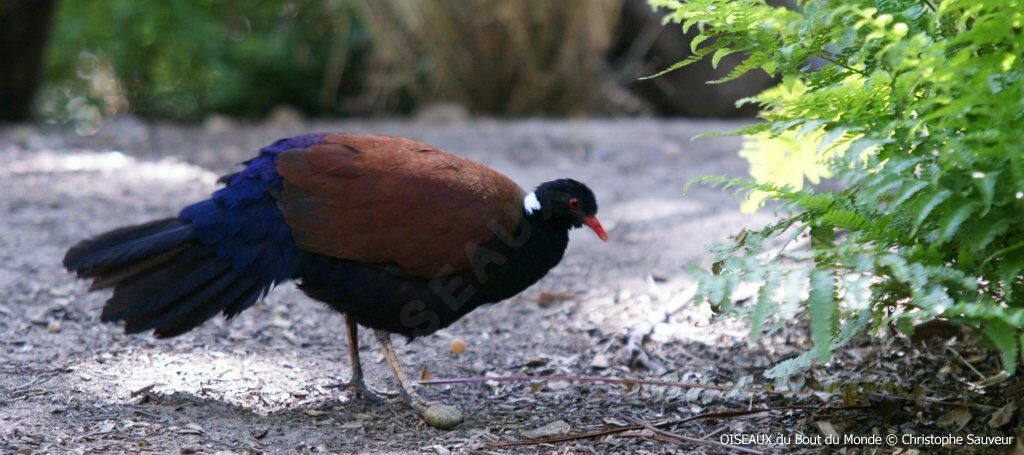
[356, 382]
[417, 403]
[435, 414]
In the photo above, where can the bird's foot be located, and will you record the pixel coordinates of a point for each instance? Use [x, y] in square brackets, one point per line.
[437, 415]
[367, 392]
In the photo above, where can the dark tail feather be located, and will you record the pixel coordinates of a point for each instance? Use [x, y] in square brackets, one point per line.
[243, 292]
[162, 278]
[113, 275]
[119, 246]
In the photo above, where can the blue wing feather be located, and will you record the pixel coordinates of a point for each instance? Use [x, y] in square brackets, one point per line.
[218, 255]
[242, 221]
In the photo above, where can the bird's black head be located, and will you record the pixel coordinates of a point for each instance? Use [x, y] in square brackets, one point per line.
[565, 202]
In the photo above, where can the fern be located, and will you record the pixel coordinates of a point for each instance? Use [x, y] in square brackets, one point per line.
[913, 111]
[821, 306]
[1004, 338]
[765, 305]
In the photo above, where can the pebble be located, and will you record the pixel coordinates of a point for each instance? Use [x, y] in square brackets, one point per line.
[458, 346]
[442, 416]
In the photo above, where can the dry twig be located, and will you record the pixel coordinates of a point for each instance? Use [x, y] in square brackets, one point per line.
[684, 385]
[627, 381]
[661, 423]
[705, 442]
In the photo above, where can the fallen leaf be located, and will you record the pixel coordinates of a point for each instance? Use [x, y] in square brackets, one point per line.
[1002, 416]
[826, 428]
[277, 320]
[692, 394]
[535, 362]
[556, 428]
[439, 450]
[536, 387]
[106, 426]
[425, 374]
[741, 236]
[548, 298]
[143, 390]
[191, 428]
[558, 385]
[957, 418]
[994, 379]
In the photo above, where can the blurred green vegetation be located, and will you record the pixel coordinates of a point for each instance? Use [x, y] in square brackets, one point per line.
[912, 110]
[179, 59]
[187, 59]
[183, 59]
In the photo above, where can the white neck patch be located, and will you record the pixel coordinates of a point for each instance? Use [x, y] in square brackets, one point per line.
[531, 203]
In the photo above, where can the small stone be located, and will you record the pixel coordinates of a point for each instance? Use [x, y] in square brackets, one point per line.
[442, 416]
[600, 362]
[53, 327]
[458, 346]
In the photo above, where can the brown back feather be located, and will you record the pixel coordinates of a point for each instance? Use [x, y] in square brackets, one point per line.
[383, 199]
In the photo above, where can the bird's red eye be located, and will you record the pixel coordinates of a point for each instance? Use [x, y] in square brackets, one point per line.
[574, 203]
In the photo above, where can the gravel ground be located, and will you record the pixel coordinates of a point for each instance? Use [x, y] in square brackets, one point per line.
[263, 381]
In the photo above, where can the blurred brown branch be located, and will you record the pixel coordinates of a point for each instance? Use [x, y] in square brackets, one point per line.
[524, 57]
[24, 25]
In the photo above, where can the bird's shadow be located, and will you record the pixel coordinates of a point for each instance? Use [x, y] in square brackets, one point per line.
[336, 421]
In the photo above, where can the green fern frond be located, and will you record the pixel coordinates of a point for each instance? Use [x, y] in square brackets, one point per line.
[910, 118]
[821, 306]
[1005, 339]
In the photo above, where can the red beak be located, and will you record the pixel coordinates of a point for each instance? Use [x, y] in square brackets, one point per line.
[595, 225]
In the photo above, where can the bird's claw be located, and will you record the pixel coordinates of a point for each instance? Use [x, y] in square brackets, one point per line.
[435, 414]
[421, 406]
[367, 392]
